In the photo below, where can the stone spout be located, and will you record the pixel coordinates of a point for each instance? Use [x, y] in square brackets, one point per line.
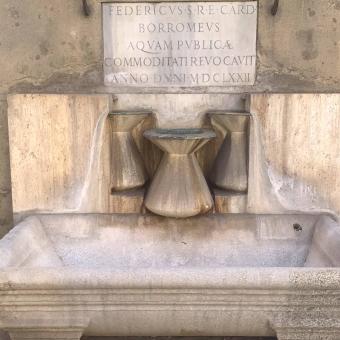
[179, 188]
[127, 167]
[230, 169]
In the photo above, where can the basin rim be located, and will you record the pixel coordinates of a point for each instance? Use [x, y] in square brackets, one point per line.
[180, 133]
[249, 278]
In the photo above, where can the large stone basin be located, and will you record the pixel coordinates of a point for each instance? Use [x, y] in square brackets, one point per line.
[245, 275]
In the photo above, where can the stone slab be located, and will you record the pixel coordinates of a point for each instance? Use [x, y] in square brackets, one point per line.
[180, 44]
[300, 142]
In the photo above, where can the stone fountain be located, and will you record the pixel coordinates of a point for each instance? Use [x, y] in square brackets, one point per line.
[155, 212]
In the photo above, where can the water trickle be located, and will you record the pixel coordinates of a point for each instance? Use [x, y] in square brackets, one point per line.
[93, 164]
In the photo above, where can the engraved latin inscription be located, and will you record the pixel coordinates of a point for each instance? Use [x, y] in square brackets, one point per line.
[180, 44]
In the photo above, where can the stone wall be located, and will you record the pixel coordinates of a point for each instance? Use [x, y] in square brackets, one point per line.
[51, 46]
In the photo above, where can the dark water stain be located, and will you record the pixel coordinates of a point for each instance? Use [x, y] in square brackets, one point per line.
[87, 50]
[310, 54]
[23, 69]
[62, 82]
[308, 47]
[311, 12]
[43, 47]
[14, 13]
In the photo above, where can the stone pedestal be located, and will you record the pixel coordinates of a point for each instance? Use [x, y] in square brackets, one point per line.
[179, 188]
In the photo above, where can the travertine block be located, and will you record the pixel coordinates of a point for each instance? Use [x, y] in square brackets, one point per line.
[299, 140]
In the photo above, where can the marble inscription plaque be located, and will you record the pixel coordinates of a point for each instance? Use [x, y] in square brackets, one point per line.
[180, 44]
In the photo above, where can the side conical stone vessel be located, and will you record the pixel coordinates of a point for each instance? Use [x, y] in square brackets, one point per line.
[179, 188]
[230, 169]
[127, 166]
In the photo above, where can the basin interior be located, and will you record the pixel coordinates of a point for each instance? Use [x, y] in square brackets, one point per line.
[149, 241]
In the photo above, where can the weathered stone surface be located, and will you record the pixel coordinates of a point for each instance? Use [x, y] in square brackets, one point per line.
[300, 142]
[54, 167]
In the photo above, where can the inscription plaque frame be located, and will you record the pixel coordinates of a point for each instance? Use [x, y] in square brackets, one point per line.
[170, 52]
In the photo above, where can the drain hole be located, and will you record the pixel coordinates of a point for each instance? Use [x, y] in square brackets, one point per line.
[297, 227]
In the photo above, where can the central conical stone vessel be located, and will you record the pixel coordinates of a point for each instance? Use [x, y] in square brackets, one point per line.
[179, 188]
